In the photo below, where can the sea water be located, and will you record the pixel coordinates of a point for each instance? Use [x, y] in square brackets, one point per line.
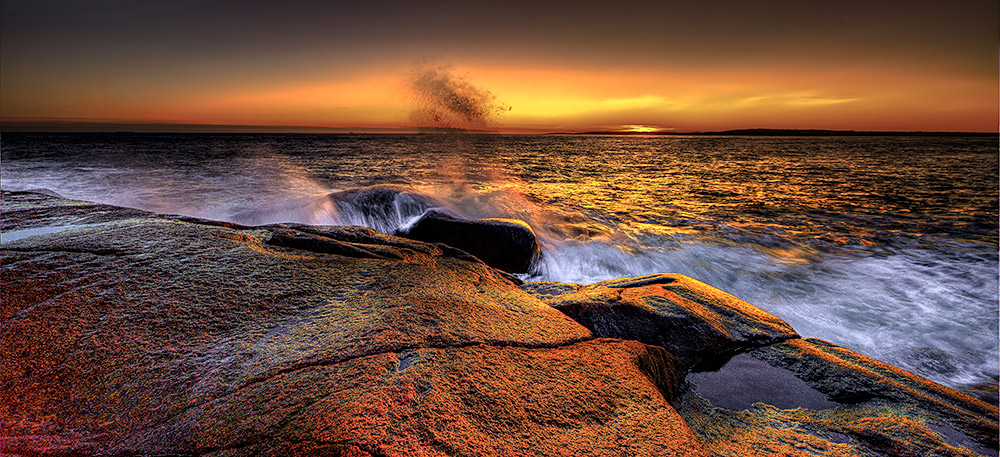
[884, 245]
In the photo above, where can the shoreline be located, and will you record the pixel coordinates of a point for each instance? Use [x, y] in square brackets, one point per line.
[170, 326]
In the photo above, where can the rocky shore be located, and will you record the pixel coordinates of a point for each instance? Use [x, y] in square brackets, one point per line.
[133, 333]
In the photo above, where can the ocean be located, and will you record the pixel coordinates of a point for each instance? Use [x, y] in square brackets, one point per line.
[886, 245]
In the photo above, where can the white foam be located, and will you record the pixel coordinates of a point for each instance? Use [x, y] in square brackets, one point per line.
[922, 310]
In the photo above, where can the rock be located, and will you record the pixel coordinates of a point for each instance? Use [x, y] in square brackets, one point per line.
[848, 377]
[545, 290]
[880, 409]
[382, 207]
[589, 398]
[700, 324]
[507, 244]
[149, 334]
[745, 380]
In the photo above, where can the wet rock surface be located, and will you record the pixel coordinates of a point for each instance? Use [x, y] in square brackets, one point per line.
[870, 408]
[702, 325]
[545, 290]
[745, 380]
[507, 244]
[126, 332]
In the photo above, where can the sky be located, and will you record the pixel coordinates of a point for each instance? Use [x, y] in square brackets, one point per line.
[513, 66]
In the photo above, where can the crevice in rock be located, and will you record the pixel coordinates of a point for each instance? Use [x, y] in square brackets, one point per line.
[335, 361]
[304, 241]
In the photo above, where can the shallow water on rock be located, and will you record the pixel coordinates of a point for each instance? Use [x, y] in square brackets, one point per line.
[14, 235]
[745, 380]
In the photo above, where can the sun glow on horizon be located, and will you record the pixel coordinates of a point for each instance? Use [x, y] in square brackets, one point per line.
[638, 128]
[560, 98]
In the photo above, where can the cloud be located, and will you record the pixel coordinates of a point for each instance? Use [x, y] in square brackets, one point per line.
[795, 99]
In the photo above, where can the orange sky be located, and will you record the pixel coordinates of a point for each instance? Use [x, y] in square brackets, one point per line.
[932, 69]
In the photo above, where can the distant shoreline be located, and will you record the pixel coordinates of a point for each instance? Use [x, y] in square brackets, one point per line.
[785, 132]
[103, 128]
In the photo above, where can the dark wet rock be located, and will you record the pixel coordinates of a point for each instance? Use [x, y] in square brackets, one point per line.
[151, 334]
[986, 391]
[507, 244]
[382, 206]
[881, 410]
[702, 325]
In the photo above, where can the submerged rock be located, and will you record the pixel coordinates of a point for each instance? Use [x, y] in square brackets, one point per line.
[700, 324]
[507, 244]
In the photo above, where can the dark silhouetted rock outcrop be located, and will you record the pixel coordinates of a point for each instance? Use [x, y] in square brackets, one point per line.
[507, 244]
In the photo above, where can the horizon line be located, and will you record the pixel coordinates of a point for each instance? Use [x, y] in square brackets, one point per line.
[83, 126]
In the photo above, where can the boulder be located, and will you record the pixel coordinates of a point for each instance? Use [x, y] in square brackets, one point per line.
[507, 244]
[700, 324]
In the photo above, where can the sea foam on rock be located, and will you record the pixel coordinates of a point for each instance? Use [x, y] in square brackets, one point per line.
[133, 333]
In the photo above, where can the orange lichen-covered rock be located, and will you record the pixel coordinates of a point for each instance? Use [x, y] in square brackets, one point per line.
[699, 323]
[148, 334]
[591, 398]
[132, 333]
[870, 429]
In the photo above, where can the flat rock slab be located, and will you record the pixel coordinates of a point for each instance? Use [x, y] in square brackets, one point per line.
[702, 325]
[114, 327]
[590, 398]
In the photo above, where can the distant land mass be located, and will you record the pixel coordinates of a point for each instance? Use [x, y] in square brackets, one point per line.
[784, 132]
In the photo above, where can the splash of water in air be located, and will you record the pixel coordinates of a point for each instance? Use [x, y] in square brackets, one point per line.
[447, 101]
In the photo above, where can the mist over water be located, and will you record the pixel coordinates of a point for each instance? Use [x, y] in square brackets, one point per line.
[884, 245]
